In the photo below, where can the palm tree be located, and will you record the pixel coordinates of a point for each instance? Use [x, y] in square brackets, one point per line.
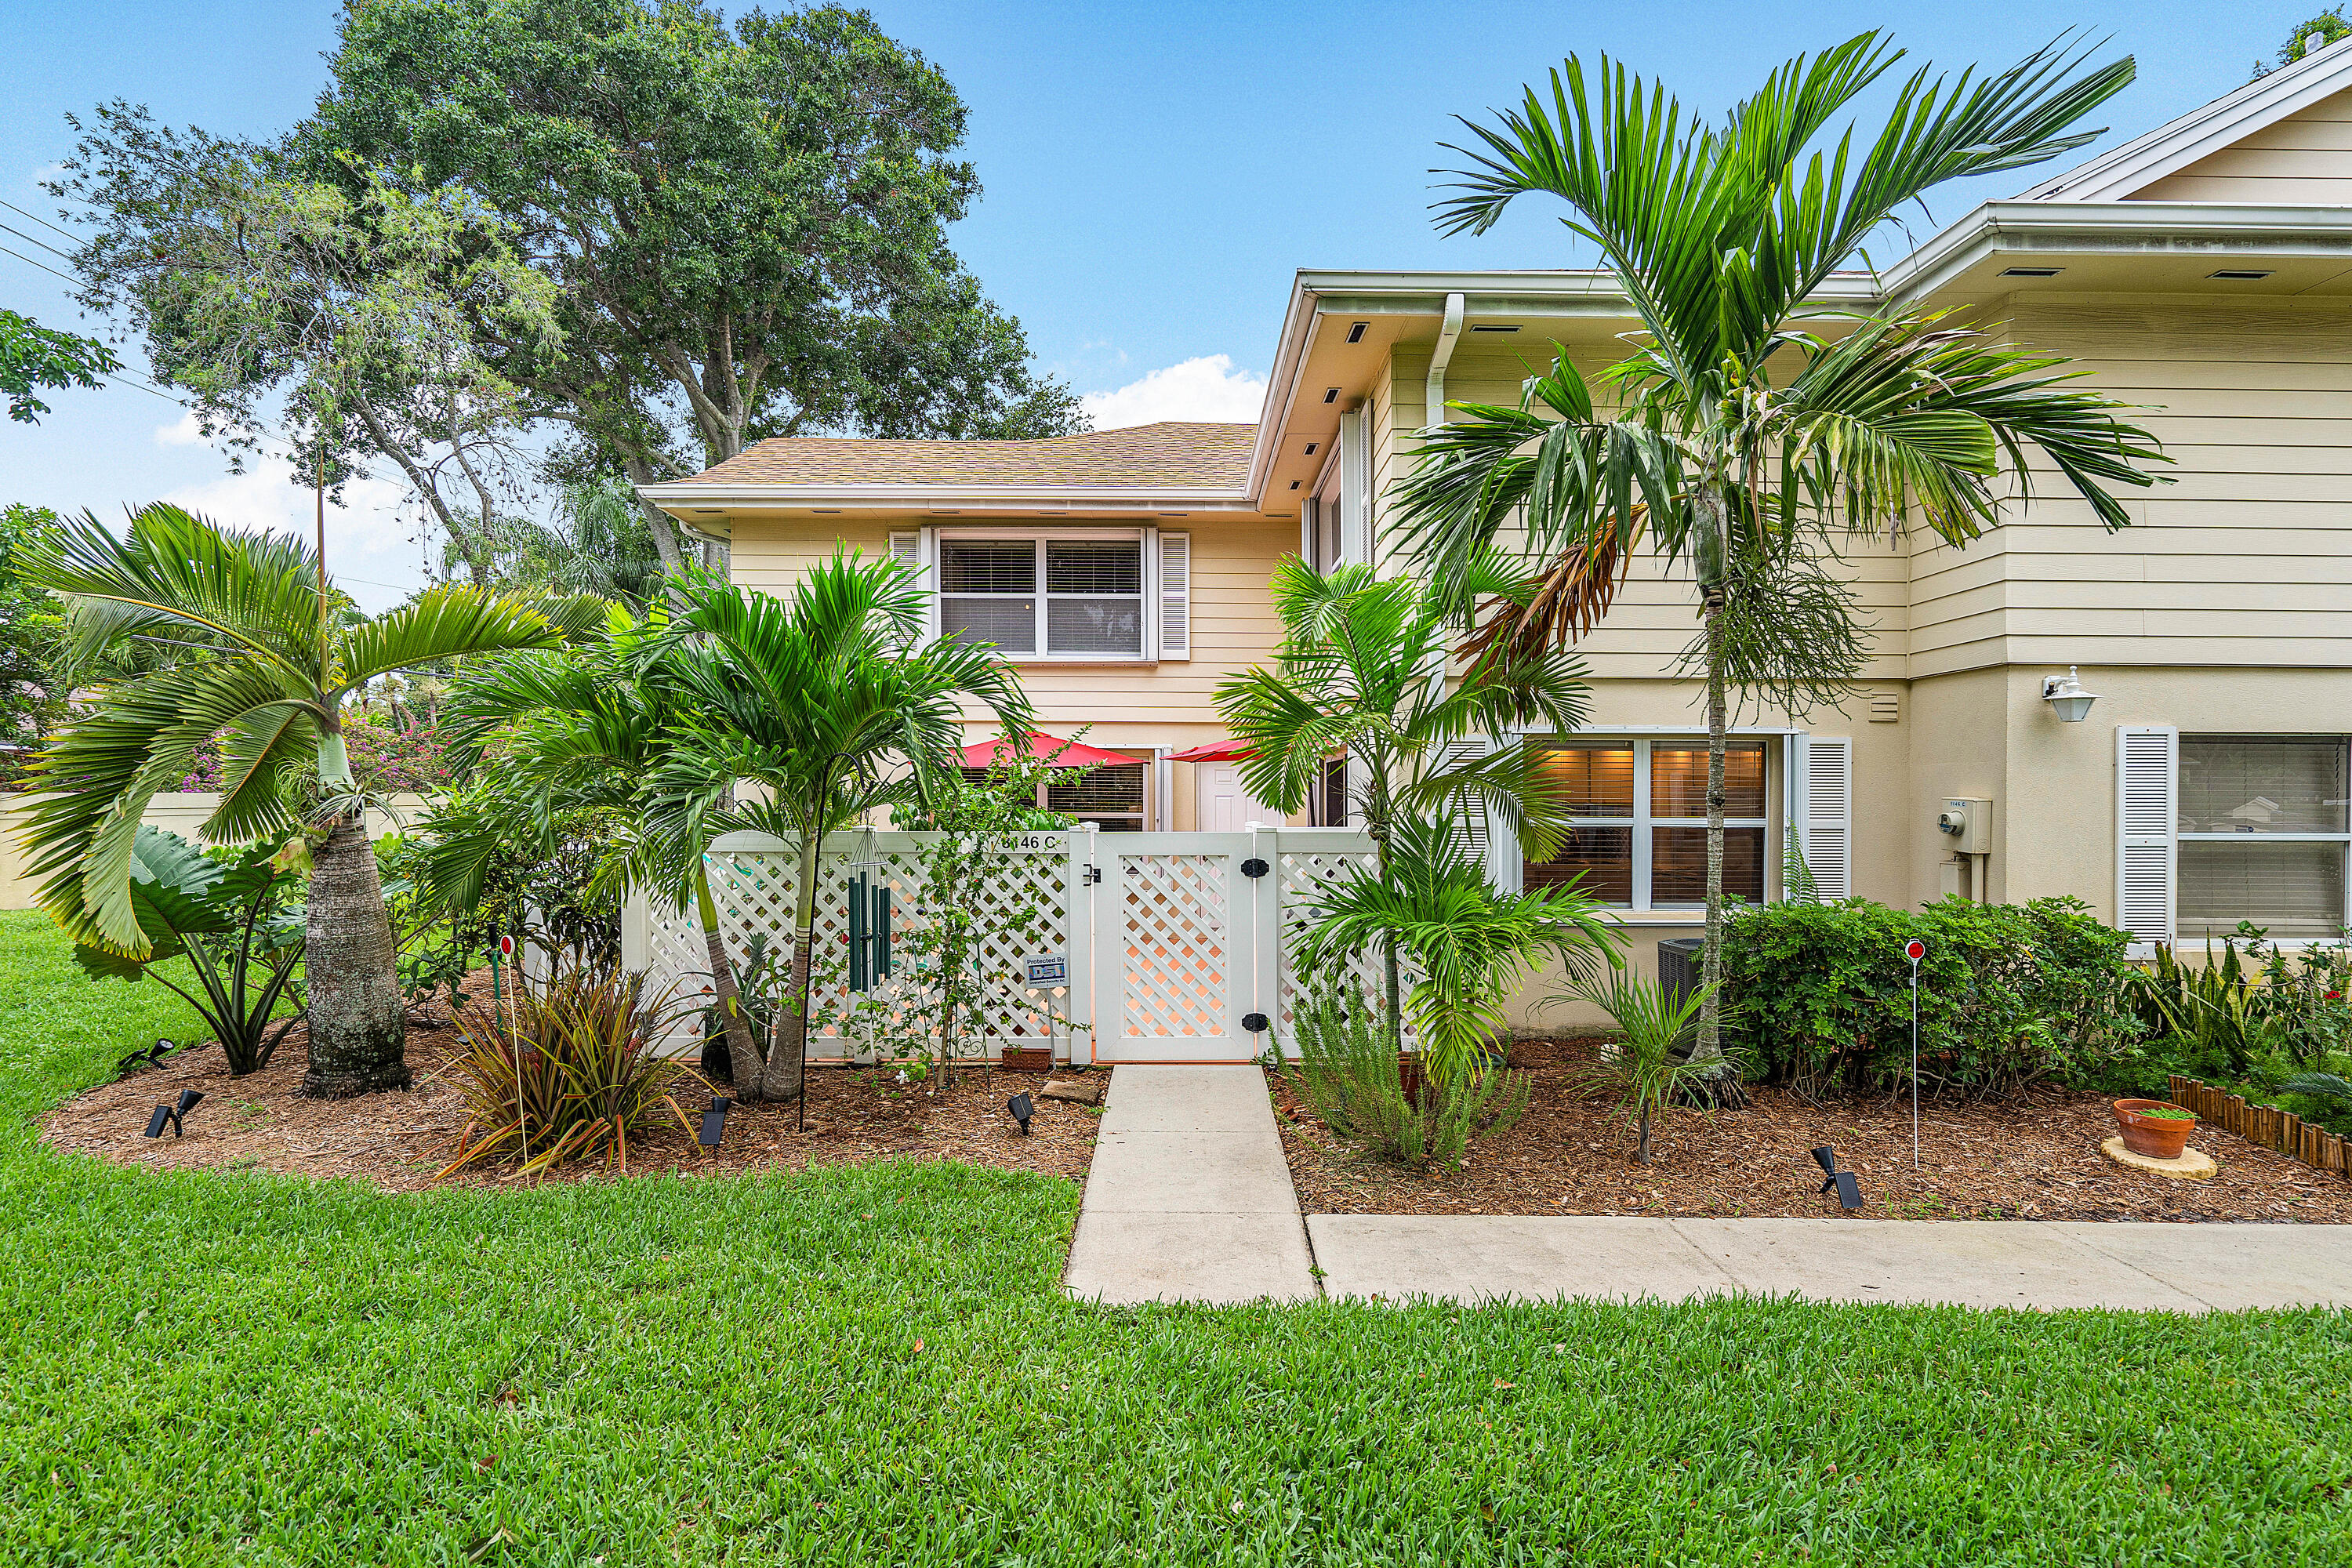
[279, 669]
[1472, 945]
[1361, 673]
[586, 729]
[1749, 426]
[832, 705]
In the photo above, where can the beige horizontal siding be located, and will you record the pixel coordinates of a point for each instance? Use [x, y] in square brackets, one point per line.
[2297, 160]
[2242, 557]
[1233, 623]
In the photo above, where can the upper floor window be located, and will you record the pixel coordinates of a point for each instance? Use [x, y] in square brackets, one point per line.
[2263, 834]
[1045, 597]
[1091, 595]
[1638, 810]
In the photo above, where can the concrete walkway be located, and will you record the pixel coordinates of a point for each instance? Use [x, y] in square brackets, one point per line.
[1189, 1198]
[1969, 1263]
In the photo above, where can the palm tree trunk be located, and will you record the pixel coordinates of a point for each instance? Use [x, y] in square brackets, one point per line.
[1720, 1086]
[1642, 1150]
[357, 1026]
[744, 1064]
[788, 1063]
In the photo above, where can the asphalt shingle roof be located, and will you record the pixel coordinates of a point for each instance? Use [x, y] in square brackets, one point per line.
[1172, 455]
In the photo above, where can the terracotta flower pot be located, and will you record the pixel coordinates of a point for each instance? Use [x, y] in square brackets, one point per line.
[1027, 1058]
[1409, 1077]
[2155, 1137]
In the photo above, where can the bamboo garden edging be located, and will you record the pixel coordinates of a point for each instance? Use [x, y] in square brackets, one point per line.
[2264, 1124]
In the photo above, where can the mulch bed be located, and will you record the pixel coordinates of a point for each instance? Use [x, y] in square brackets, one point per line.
[397, 1141]
[2034, 1159]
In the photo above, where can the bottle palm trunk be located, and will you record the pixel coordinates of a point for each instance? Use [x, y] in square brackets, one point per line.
[358, 1024]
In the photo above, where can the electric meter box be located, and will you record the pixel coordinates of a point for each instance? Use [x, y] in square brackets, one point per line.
[1968, 824]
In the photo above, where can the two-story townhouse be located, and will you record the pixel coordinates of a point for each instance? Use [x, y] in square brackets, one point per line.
[2203, 272]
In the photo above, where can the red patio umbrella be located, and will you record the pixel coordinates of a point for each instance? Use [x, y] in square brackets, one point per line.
[1074, 753]
[1225, 751]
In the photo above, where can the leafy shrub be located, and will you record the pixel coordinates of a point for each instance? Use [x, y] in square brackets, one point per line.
[1346, 1071]
[2009, 995]
[569, 1073]
[226, 914]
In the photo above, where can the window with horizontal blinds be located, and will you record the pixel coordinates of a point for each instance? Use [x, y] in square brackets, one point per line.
[1108, 796]
[2261, 835]
[1081, 598]
[1637, 815]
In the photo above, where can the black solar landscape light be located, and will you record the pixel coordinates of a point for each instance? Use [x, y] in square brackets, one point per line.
[1848, 1193]
[171, 1114]
[1021, 1109]
[714, 1122]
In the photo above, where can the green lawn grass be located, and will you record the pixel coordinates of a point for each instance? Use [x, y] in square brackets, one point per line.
[876, 1367]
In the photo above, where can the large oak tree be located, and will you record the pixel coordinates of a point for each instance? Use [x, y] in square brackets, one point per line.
[746, 221]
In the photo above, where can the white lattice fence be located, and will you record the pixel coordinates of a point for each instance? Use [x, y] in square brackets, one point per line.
[1020, 896]
[1185, 951]
[1307, 859]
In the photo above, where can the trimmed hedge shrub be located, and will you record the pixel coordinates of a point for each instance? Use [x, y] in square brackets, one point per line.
[1820, 995]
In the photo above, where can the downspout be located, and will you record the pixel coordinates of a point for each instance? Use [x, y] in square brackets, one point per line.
[1449, 332]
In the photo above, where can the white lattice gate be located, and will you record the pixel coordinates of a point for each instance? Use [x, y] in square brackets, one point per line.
[1178, 943]
[1175, 931]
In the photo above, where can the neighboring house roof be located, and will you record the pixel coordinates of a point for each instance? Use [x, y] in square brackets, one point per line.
[1168, 455]
[2175, 145]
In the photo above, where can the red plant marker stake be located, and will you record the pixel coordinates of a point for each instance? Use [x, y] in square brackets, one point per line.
[1915, 950]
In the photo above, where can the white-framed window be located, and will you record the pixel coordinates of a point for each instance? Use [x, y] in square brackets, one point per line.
[1081, 595]
[1637, 807]
[2262, 835]
[1111, 796]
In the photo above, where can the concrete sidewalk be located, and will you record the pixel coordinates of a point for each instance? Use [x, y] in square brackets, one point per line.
[1189, 1197]
[1971, 1263]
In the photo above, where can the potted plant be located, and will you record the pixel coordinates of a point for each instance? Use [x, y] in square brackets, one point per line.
[2156, 1129]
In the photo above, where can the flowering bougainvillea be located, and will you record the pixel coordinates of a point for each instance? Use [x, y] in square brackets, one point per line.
[388, 758]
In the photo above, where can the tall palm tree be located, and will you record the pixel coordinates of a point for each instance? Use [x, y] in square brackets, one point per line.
[280, 666]
[832, 705]
[1748, 426]
[1361, 673]
[587, 729]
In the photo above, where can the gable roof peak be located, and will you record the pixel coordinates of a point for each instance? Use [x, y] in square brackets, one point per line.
[2114, 175]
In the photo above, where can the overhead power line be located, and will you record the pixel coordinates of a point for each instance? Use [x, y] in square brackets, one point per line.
[45, 245]
[30, 262]
[37, 218]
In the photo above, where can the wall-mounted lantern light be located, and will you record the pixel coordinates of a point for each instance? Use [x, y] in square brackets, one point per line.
[2066, 696]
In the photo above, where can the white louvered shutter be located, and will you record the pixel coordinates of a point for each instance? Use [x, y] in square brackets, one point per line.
[1827, 801]
[907, 548]
[2148, 772]
[1352, 488]
[1471, 831]
[1175, 595]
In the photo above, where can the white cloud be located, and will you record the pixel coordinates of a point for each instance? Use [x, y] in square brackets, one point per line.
[1208, 388]
[369, 545]
[186, 433]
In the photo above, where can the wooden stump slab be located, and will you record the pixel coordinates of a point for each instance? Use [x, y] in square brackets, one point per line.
[2194, 1165]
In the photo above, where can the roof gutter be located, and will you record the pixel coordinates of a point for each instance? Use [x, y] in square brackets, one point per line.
[1449, 332]
[2201, 229]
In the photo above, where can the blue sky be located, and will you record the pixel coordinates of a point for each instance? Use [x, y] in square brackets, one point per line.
[1153, 174]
